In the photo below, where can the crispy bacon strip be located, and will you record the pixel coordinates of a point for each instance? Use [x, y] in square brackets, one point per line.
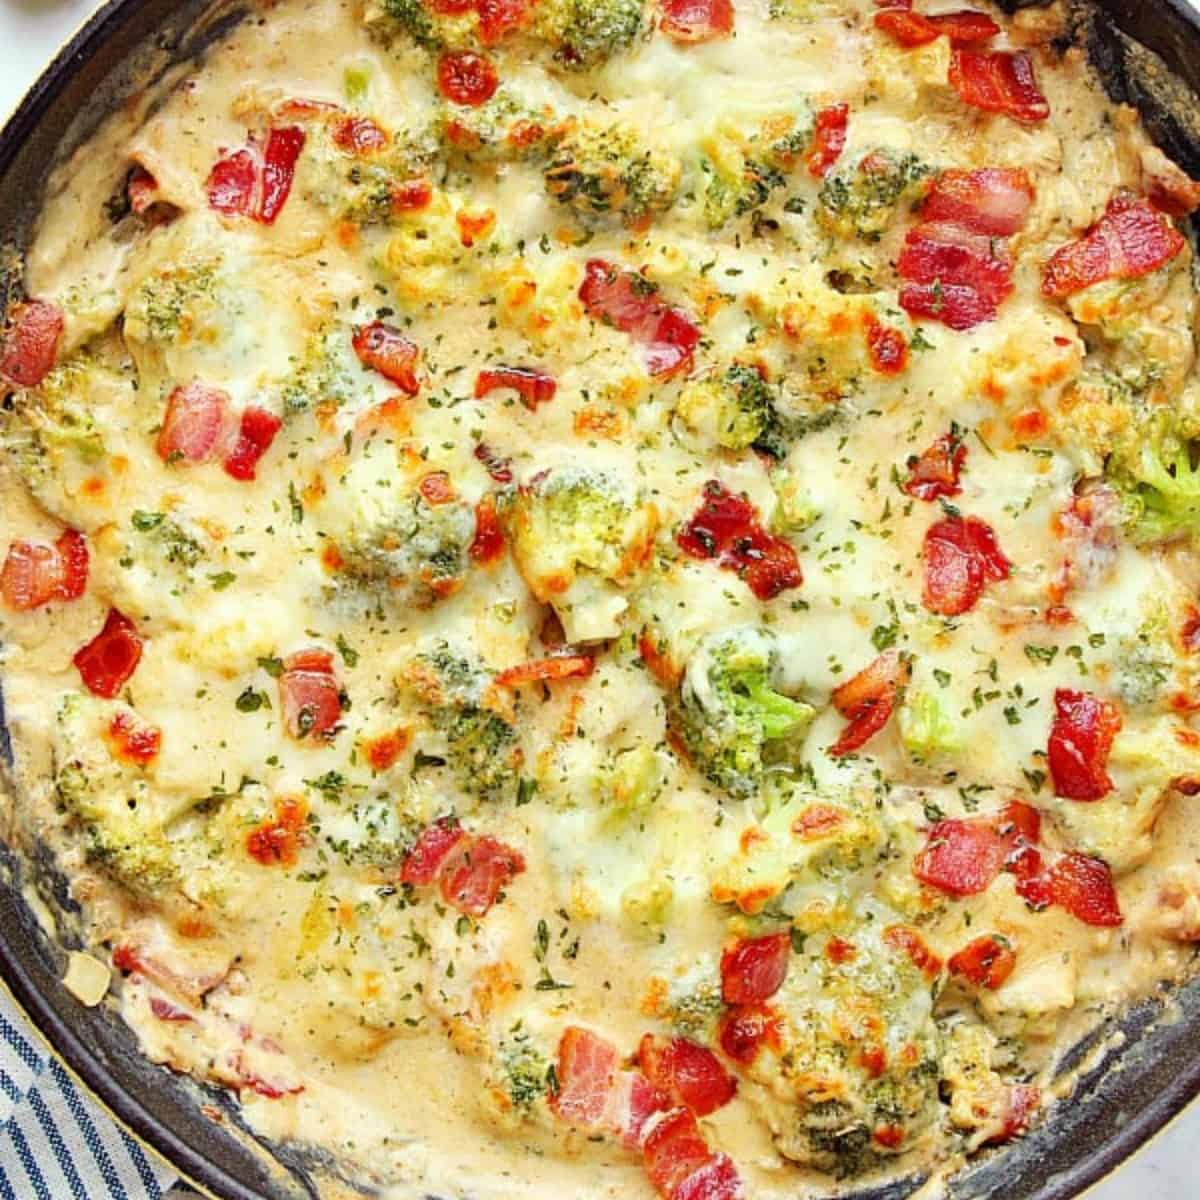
[1084, 887]
[1129, 241]
[753, 969]
[197, 425]
[829, 139]
[533, 385]
[994, 201]
[465, 77]
[1081, 737]
[255, 434]
[963, 857]
[686, 1073]
[471, 870]
[682, 1166]
[746, 1029]
[986, 962]
[868, 700]
[727, 528]
[998, 82]
[547, 670]
[623, 299]
[383, 348]
[256, 180]
[934, 472]
[309, 695]
[35, 574]
[696, 20]
[961, 558]
[964, 28]
[30, 346]
[109, 660]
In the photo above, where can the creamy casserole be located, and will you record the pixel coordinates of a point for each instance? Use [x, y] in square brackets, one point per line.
[601, 596]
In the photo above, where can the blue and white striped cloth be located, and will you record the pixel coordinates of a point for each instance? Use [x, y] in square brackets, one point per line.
[55, 1143]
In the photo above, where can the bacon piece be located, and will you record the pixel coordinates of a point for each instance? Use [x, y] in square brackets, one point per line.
[138, 744]
[623, 299]
[696, 20]
[966, 27]
[436, 489]
[533, 385]
[359, 136]
[279, 169]
[498, 18]
[108, 661]
[935, 471]
[746, 1029]
[963, 857]
[411, 195]
[986, 962]
[142, 189]
[385, 349]
[1129, 241]
[887, 347]
[500, 469]
[164, 1010]
[546, 670]
[681, 1165]
[255, 435]
[309, 695]
[586, 1072]
[867, 701]
[953, 275]
[1024, 1099]
[196, 426]
[686, 1073]
[998, 82]
[829, 139]
[907, 940]
[488, 543]
[255, 181]
[30, 347]
[961, 558]
[1084, 887]
[424, 861]
[727, 528]
[1081, 737]
[35, 574]
[276, 842]
[467, 78]
[991, 200]
[233, 184]
[753, 969]
[635, 1100]
[476, 871]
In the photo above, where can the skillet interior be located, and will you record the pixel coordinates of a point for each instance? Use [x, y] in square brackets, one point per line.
[1118, 1104]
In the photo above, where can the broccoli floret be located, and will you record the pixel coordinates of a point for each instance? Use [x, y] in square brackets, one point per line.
[735, 409]
[795, 511]
[364, 189]
[585, 33]
[526, 1069]
[389, 536]
[609, 169]
[1143, 664]
[631, 781]
[121, 822]
[170, 539]
[369, 833]
[729, 194]
[505, 128]
[580, 537]
[694, 1002]
[416, 20]
[1160, 482]
[860, 198]
[732, 721]
[474, 736]
[928, 728]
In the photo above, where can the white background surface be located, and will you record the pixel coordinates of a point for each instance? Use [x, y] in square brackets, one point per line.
[30, 34]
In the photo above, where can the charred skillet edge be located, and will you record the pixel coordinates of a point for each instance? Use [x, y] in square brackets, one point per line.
[1119, 1103]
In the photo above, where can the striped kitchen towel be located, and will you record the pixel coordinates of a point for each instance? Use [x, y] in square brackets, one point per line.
[55, 1143]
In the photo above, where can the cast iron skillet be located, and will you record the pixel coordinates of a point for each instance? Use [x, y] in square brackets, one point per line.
[1119, 1103]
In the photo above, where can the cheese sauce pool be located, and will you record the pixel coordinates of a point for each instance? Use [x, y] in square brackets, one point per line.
[602, 599]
